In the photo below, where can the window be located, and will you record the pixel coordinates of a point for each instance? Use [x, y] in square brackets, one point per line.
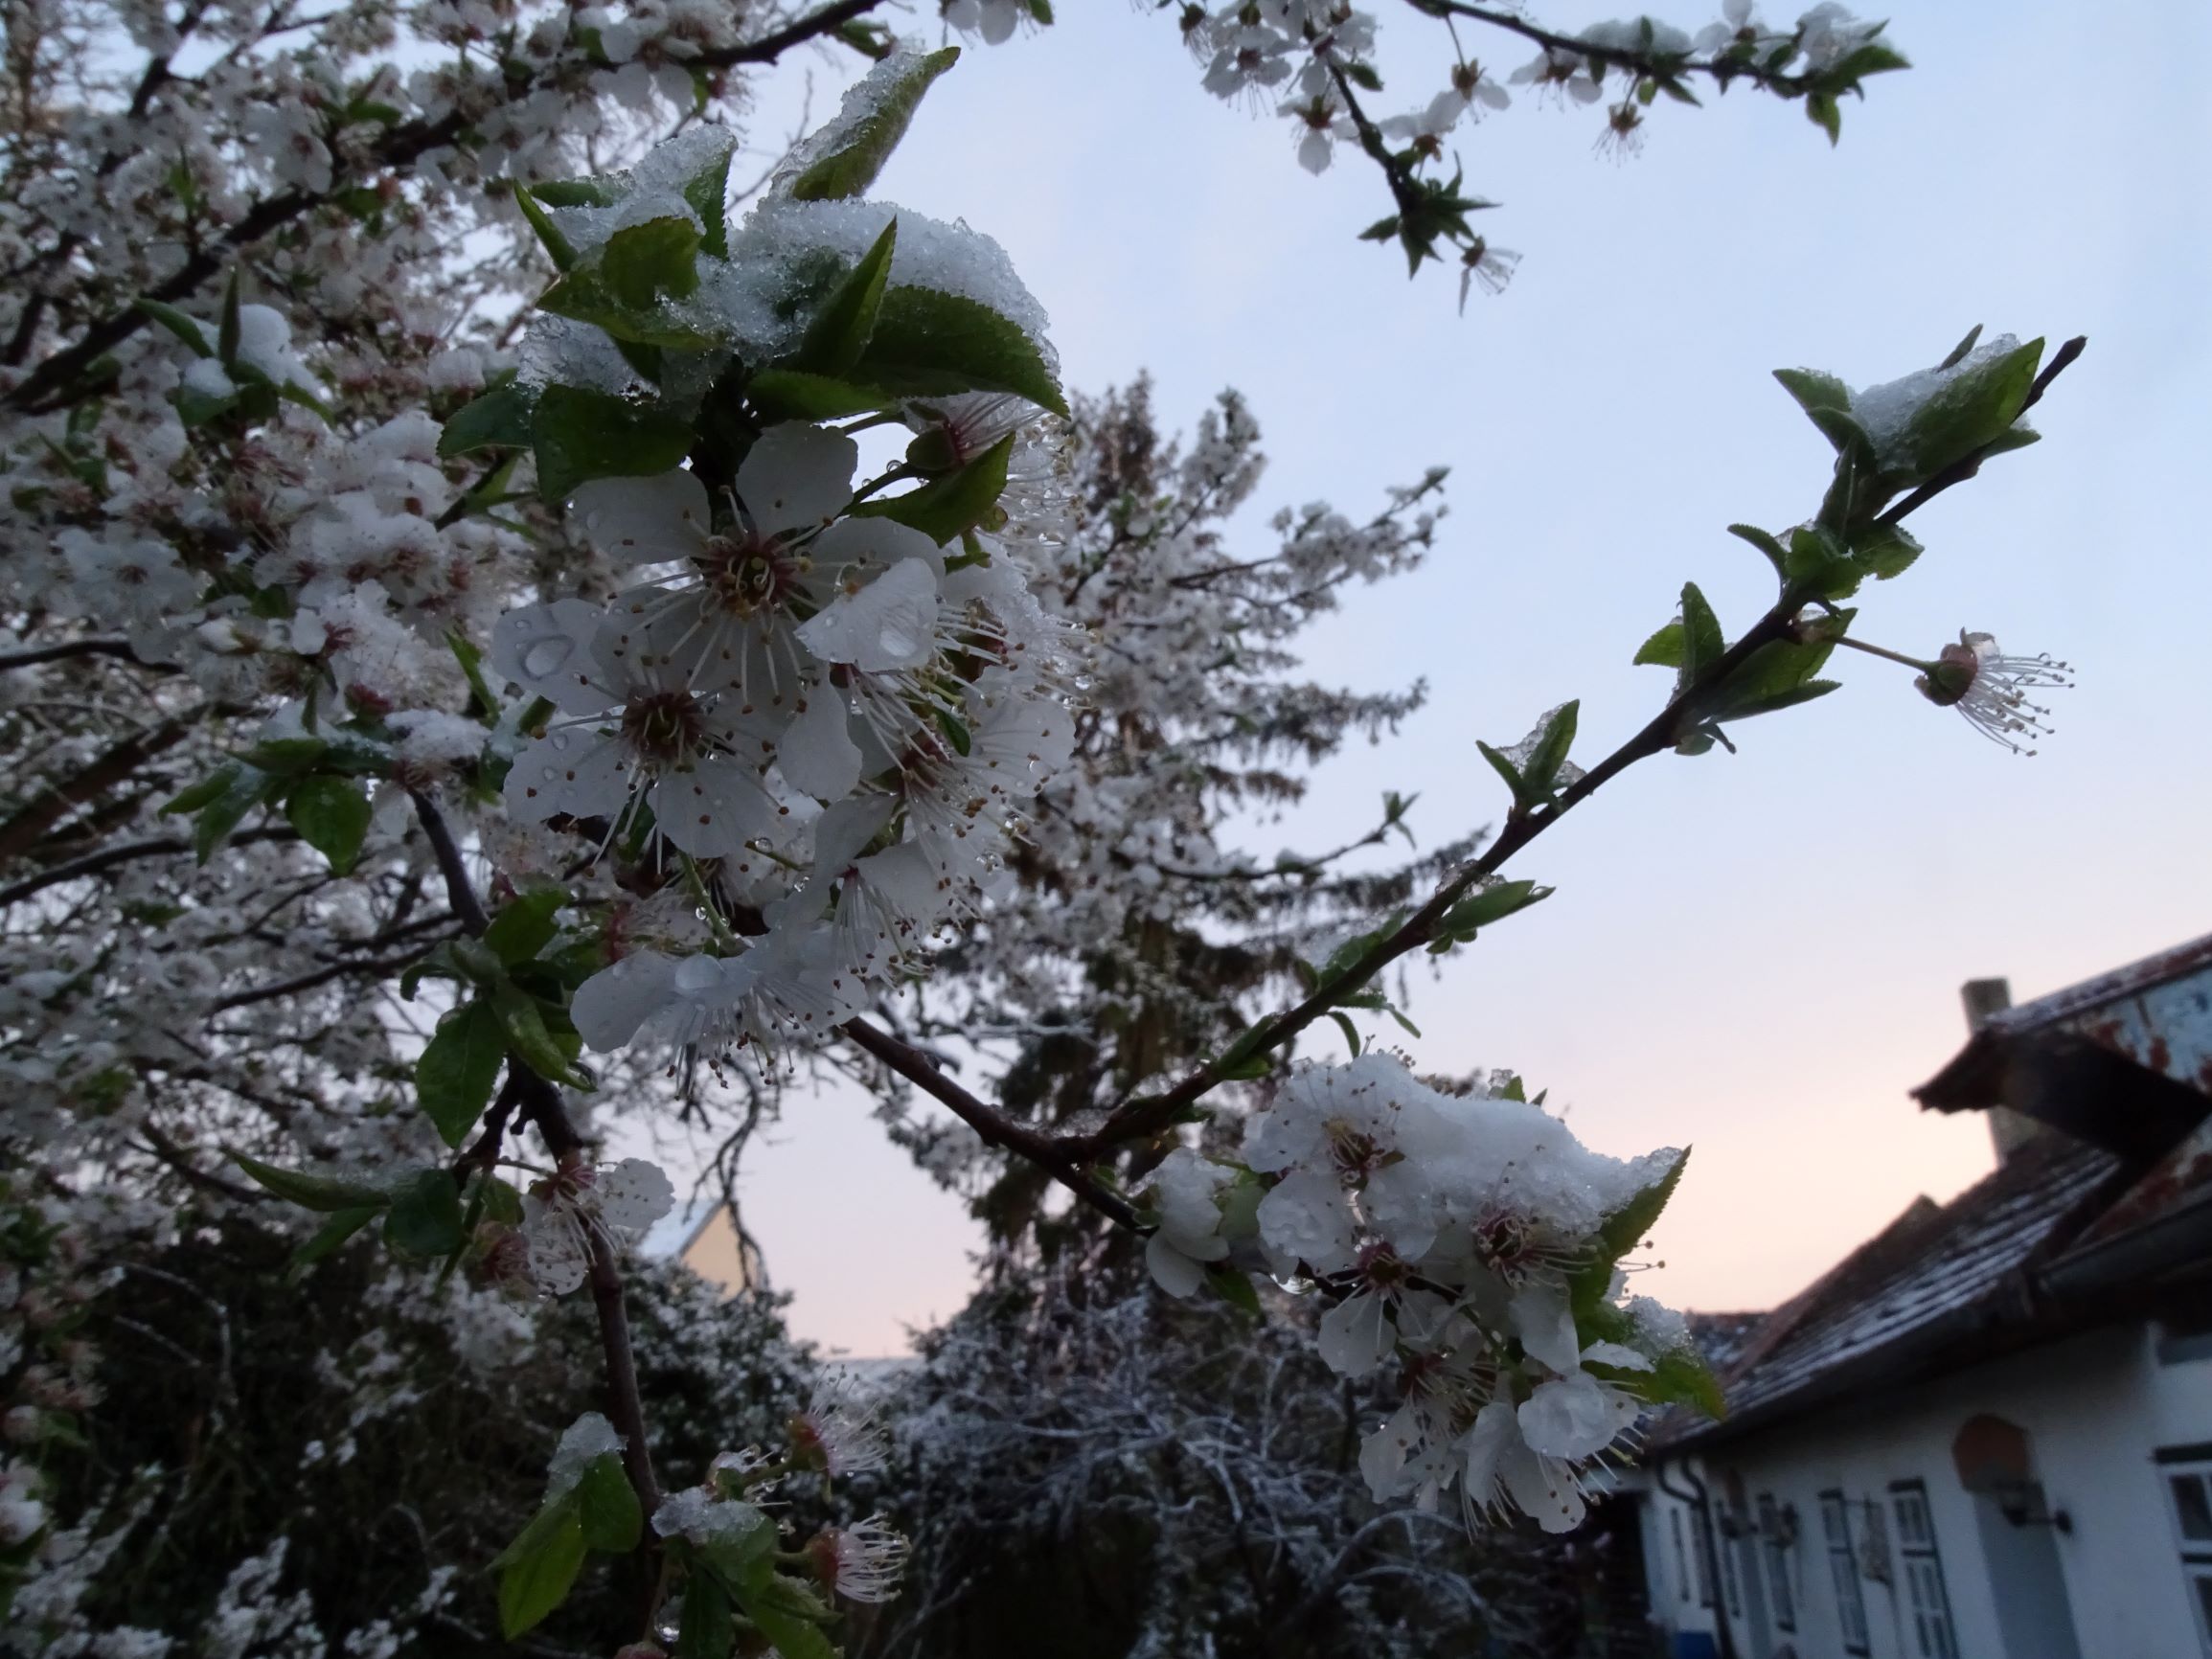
[1922, 1570]
[1843, 1569]
[1681, 1560]
[1701, 1553]
[1727, 1554]
[2187, 1471]
[1777, 1554]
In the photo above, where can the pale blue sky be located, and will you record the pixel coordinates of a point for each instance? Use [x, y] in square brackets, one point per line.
[1757, 954]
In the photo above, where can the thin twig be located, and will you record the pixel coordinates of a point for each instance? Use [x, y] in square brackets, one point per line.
[1048, 1153]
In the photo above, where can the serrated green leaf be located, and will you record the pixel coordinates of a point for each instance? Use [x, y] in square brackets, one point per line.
[1681, 1377]
[539, 1569]
[1664, 648]
[525, 925]
[841, 329]
[929, 343]
[707, 193]
[424, 1217]
[612, 1520]
[331, 815]
[1551, 751]
[946, 509]
[1765, 544]
[342, 1225]
[327, 1194]
[1885, 551]
[1627, 1227]
[500, 418]
[1703, 641]
[574, 192]
[580, 434]
[884, 102]
[626, 285]
[1971, 408]
[457, 1069]
[1814, 389]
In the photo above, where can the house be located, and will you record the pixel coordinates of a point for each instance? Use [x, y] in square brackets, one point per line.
[1986, 1433]
[704, 1236]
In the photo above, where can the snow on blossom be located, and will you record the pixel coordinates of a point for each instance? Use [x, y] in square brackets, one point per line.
[563, 1215]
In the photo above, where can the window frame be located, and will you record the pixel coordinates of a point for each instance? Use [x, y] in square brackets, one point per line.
[1682, 1556]
[2172, 1463]
[1701, 1553]
[1774, 1556]
[1843, 1573]
[1928, 1552]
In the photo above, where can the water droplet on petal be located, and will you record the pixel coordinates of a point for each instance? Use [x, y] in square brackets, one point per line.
[546, 655]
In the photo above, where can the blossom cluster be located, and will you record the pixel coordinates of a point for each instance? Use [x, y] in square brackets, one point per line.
[1468, 1240]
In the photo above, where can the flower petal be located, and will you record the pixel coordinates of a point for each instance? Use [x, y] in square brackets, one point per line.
[547, 650]
[644, 520]
[816, 752]
[796, 477]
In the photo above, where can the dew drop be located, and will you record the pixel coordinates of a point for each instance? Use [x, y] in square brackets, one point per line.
[546, 655]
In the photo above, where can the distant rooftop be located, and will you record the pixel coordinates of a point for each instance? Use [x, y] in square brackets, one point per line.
[2088, 1216]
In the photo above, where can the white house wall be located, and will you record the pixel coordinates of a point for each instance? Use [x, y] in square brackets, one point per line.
[2095, 1408]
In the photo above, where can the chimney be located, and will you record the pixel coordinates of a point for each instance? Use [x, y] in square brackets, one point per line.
[2008, 1129]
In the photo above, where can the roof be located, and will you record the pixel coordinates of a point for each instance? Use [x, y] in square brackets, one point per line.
[2123, 1060]
[2114, 1193]
[668, 1239]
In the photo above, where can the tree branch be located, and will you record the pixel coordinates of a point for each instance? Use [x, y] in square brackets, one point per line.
[1055, 1156]
[30, 655]
[128, 853]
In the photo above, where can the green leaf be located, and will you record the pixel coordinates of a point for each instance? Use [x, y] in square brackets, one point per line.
[792, 392]
[1502, 764]
[795, 1637]
[185, 328]
[884, 103]
[1958, 351]
[626, 283]
[1664, 648]
[327, 1194]
[841, 329]
[526, 925]
[1885, 551]
[580, 434]
[1681, 1377]
[207, 790]
[1765, 544]
[247, 788]
[574, 192]
[228, 332]
[331, 815]
[1491, 903]
[497, 418]
[342, 1225]
[709, 1629]
[956, 733]
[1703, 642]
[1973, 407]
[527, 1034]
[1551, 751]
[424, 1217]
[929, 343]
[561, 251]
[457, 1069]
[1351, 1030]
[613, 1520]
[1825, 113]
[1814, 390]
[1627, 1227]
[537, 1571]
[707, 192]
[947, 508]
